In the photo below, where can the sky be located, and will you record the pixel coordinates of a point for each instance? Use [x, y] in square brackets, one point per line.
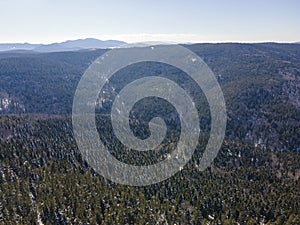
[180, 21]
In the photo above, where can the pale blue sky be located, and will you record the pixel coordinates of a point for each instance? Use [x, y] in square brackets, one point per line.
[45, 21]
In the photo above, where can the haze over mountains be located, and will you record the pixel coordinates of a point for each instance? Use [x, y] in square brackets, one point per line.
[71, 45]
[74, 45]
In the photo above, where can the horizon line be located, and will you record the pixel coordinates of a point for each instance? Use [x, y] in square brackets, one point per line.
[175, 38]
[157, 42]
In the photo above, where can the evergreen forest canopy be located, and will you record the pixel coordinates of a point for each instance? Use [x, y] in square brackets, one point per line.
[254, 179]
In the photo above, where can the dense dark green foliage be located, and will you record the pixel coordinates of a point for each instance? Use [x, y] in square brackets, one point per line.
[254, 179]
[43, 174]
[42, 83]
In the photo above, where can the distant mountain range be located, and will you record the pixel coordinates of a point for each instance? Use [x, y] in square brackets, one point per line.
[72, 45]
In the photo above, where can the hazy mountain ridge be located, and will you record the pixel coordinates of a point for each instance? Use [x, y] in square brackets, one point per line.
[70, 45]
[18, 46]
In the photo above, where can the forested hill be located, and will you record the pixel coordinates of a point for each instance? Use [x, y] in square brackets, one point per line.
[45, 82]
[260, 82]
[41, 83]
[253, 180]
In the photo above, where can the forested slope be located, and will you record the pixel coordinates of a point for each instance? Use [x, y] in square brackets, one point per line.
[254, 179]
